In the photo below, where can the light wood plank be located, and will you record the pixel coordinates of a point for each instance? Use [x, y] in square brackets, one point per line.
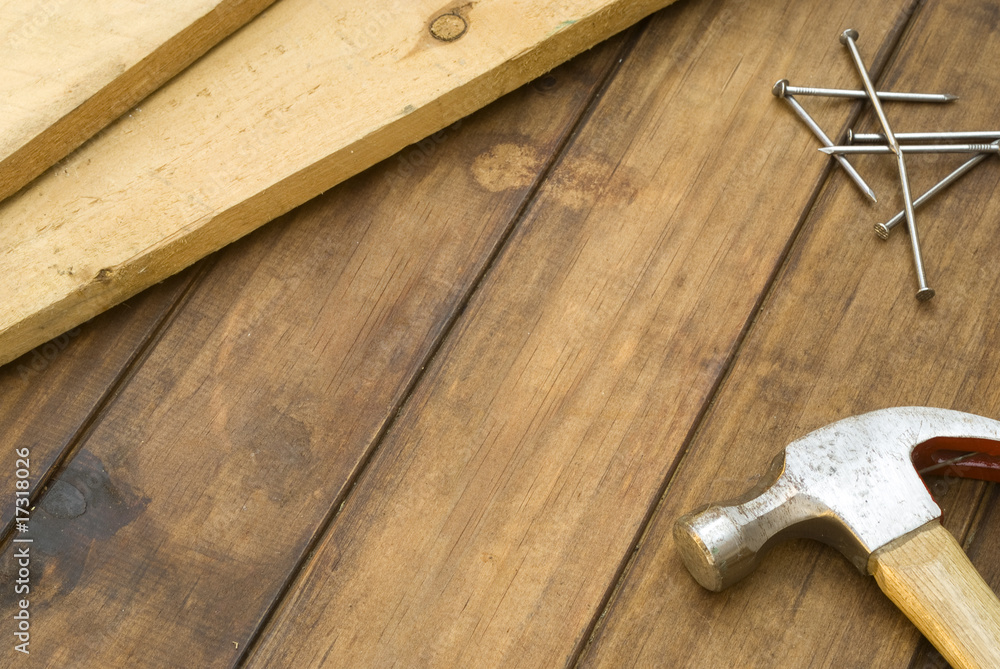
[840, 334]
[68, 69]
[492, 522]
[217, 463]
[307, 95]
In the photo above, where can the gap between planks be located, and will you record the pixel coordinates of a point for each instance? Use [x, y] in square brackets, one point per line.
[128, 370]
[884, 58]
[632, 36]
[491, 309]
[489, 128]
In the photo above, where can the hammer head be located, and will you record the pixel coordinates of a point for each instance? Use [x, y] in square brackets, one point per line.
[851, 484]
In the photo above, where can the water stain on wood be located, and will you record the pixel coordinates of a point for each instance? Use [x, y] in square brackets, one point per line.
[64, 500]
[279, 449]
[507, 166]
[81, 506]
[584, 179]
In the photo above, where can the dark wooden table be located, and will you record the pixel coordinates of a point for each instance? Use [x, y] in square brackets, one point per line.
[445, 414]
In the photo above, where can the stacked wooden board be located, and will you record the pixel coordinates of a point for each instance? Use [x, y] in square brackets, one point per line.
[67, 69]
[305, 96]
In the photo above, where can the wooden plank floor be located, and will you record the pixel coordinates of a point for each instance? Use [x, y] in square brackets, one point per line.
[445, 414]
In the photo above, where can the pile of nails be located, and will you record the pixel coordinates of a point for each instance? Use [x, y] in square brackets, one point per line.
[888, 142]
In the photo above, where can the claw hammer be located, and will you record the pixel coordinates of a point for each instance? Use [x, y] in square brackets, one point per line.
[853, 484]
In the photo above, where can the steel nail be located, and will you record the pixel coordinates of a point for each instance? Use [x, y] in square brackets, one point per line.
[854, 149]
[948, 463]
[966, 136]
[891, 96]
[848, 38]
[924, 292]
[883, 229]
[779, 90]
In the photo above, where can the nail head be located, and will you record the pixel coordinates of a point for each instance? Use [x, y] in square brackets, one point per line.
[849, 34]
[779, 88]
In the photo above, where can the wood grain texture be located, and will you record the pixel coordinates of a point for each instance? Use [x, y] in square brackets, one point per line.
[68, 69]
[305, 96]
[929, 577]
[839, 334]
[208, 476]
[983, 545]
[492, 522]
[50, 393]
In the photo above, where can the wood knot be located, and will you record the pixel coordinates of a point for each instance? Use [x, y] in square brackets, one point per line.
[448, 27]
[64, 500]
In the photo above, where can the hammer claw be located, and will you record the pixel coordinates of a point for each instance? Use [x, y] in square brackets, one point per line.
[965, 458]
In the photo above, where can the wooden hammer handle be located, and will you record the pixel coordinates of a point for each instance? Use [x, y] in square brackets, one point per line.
[930, 578]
